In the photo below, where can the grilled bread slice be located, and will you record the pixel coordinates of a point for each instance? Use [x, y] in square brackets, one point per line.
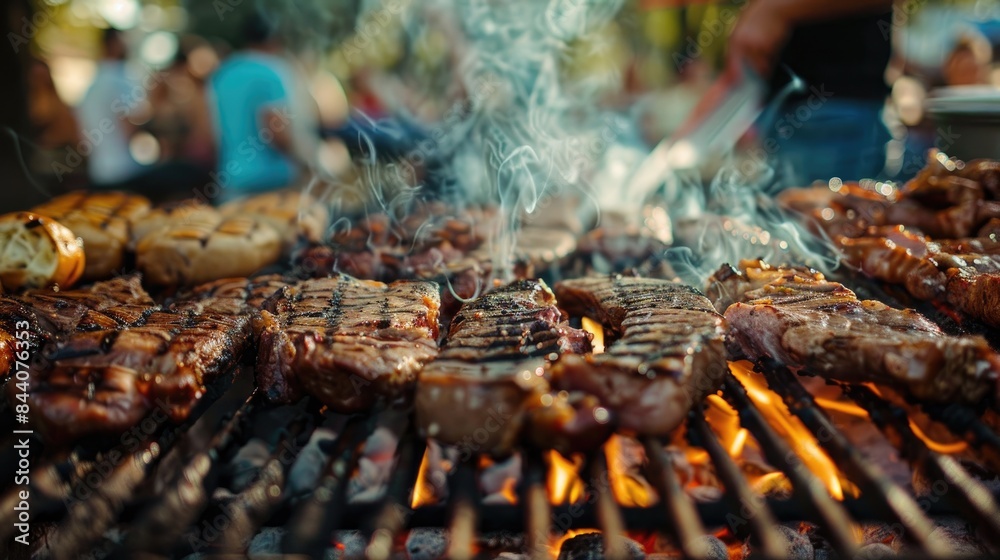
[206, 246]
[293, 214]
[36, 251]
[104, 221]
[172, 215]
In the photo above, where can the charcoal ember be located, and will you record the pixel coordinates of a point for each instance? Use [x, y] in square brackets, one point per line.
[502, 542]
[374, 467]
[244, 466]
[426, 543]
[712, 547]
[797, 546]
[960, 536]
[350, 546]
[875, 551]
[590, 546]
[308, 466]
[880, 533]
[265, 543]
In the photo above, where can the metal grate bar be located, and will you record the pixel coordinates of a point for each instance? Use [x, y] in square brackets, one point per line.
[160, 525]
[87, 520]
[463, 495]
[535, 499]
[967, 493]
[965, 421]
[391, 520]
[683, 516]
[609, 515]
[895, 502]
[832, 517]
[312, 525]
[256, 503]
[743, 499]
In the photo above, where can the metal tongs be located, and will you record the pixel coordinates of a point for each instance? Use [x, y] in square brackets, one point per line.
[730, 107]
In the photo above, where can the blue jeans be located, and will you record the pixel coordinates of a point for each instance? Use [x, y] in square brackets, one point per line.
[817, 138]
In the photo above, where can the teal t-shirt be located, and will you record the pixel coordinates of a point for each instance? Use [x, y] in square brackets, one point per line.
[239, 91]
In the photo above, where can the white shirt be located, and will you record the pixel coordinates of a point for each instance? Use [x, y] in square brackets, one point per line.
[102, 114]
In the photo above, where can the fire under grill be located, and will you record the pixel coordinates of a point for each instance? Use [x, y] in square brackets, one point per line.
[239, 477]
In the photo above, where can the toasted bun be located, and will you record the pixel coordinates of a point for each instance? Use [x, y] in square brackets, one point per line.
[206, 246]
[295, 215]
[37, 251]
[104, 221]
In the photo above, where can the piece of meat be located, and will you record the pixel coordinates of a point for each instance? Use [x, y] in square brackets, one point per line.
[852, 208]
[49, 313]
[230, 296]
[798, 318]
[345, 341]
[434, 246]
[668, 351]
[478, 391]
[102, 381]
[962, 273]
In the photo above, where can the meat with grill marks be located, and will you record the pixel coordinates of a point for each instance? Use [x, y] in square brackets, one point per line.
[668, 351]
[796, 317]
[345, 341]
[230, 296]
[963, 274]
[107, 380]
[49, 313]
[491, 371]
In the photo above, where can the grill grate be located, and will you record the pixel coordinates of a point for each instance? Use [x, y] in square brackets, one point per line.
[161, 498]
[165, 488]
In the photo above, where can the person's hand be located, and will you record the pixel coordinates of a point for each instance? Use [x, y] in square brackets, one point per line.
[757, 39]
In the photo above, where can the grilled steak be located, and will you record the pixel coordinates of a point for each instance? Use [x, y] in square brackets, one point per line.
[798, 318]
[962, 273]
[492, 367]
[345, 341]
[104, 381]
[230, 296]
[668, 353]
[48, 313]
[436, 244]
[948, 199]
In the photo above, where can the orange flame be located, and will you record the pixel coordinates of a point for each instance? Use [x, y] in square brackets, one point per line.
[790, 428]
[594, 328]
[947, 448]
[627, 488]
[564, 482]
[509, 490]
[423, 492]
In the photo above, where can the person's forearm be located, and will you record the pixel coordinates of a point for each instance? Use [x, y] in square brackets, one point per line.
[806, 11]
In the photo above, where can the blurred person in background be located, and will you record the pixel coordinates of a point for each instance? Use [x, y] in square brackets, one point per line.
[53, 125]
[253, 97]
[840, 50]
[968, 63]
[103, 115]
[181, 120]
